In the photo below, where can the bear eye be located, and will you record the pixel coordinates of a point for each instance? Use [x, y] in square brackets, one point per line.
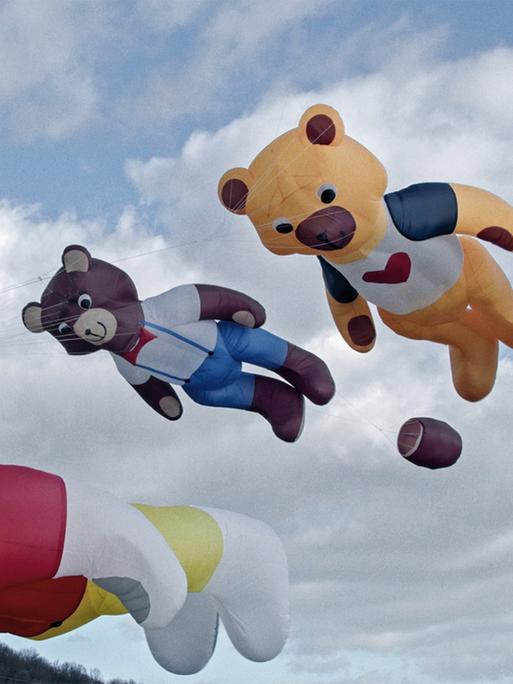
[327, 193]
[85, 301]
[283, 225]
[64, 328]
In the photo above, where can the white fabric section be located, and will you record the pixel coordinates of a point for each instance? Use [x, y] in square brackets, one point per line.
[106, 537]
[177, 306]
[134, 375]
[171, 358]
[250, 586]
[186, 645]
[435, 266]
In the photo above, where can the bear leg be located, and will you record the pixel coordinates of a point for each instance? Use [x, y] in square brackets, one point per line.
[309, 374]
[281, 405]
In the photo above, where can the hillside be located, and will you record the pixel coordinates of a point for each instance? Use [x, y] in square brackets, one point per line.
[19, 667]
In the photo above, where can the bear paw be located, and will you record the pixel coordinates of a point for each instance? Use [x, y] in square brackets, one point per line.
[171, 407]
[361, 331]
[429, 443]
[244, 318]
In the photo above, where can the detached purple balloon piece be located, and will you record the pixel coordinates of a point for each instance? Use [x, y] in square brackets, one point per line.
[429, 443]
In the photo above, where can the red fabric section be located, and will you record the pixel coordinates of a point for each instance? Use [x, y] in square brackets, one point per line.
[32, 524]
[397, 270]
[145, 337]
[31, 609]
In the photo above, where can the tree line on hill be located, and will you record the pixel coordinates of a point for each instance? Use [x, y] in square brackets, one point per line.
[19, 667]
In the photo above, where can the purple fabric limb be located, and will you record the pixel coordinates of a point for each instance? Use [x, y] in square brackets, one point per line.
[221, 303]
[280, 404]
[309, 374]
[429, 443]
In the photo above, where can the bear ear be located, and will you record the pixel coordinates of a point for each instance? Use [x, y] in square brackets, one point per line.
[233, 190]
[31, 315]
[76, 258]
[322, 125]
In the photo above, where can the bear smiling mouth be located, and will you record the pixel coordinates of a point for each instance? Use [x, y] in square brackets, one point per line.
[327, 229]
[90, 333]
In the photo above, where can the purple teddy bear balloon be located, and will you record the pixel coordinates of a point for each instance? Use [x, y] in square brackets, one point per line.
[196, 336]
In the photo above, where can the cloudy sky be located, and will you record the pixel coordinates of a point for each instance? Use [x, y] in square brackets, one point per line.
[116, 121]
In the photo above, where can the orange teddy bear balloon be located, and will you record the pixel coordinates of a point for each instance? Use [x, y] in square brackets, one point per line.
[314, 190]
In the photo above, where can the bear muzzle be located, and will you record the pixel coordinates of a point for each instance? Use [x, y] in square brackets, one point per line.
[328, 229]
[96, 326]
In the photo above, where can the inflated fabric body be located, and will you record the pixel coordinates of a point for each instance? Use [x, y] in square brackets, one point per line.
[70, 553]
[314, 190]
[195, 336]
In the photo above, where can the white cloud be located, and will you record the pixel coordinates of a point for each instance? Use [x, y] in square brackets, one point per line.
[47, 85]
[64, 64]
[237, 51]
[163, 16]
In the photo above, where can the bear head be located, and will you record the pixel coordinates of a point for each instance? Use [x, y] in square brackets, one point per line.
[313, 190]
[89, 304]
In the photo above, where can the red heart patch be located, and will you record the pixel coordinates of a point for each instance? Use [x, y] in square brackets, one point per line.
[397, 270]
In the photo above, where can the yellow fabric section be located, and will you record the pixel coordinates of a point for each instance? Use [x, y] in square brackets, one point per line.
[95, 602]
[193, 535]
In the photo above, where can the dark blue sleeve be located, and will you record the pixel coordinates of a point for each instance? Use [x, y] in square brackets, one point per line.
[339, 287]
[424, 210]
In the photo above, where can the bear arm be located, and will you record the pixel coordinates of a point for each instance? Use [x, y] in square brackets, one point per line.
[336, 284]
[354, 322]
[223, 304]
[350, 311]
[484, 215]
[161, 397]
[424, 210]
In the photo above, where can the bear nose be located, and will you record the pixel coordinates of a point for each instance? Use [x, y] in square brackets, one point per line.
[327, 229]
[88, 331]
